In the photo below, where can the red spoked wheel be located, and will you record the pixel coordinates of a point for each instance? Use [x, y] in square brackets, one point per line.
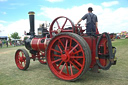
[22, 59]
[59, 25]
[67, 56]
[41, 57]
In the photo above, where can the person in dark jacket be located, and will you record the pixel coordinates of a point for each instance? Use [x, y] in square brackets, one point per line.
[91, 22]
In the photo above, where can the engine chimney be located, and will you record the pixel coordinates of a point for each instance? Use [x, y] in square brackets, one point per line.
[31, 19]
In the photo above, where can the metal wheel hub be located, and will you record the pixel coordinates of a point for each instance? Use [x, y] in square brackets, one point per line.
[21, 59]
[64, 57]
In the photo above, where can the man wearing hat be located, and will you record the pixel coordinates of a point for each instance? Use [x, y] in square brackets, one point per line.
[91, 22]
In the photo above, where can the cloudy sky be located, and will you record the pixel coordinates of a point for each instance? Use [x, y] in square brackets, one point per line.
[112, 14]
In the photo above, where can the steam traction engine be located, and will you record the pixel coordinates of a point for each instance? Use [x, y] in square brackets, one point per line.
[68, 50]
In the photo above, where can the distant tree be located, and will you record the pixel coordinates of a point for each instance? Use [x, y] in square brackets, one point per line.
[25, 38]
[15, 35]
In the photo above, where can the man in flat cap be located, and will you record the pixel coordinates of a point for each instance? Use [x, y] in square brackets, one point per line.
[91, 22]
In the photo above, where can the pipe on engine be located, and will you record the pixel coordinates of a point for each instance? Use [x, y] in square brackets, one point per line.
[31, 19]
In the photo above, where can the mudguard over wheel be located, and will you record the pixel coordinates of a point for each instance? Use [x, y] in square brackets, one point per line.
[68, 56]
[22, 59]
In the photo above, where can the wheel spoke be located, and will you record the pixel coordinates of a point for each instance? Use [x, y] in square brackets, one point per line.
[60, 48]
[57, 55]
[58, 24]
[56, 60]
[64, 24]
[74, 65]
[61, 43]
[77, 52]
[66, 44]
[62, 68]
[55, 50]
[67, 68]
[76, 56]
[60, 64]
[73, 48]
[77, 62]
[71, 69]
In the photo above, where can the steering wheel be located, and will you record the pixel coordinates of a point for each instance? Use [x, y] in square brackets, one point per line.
[60, 26]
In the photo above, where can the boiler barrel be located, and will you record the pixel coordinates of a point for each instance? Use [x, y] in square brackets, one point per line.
[38, 44]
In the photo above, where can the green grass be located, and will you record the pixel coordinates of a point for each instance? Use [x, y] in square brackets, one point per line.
[5, 46]
[120, 42]
[40, 74]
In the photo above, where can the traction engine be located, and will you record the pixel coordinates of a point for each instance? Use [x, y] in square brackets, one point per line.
[68, 51]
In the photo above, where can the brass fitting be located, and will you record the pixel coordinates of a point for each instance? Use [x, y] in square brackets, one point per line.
[31, 13]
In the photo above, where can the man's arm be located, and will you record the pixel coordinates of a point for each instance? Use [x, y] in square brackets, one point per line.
[83, 18]
[96, 22]
[79, 21]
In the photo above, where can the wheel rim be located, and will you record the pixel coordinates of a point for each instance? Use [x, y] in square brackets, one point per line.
[70, 56]
[60, 28]
[42, 57]
[20, 59]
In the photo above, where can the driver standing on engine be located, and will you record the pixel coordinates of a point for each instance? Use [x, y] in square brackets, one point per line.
[91, 22]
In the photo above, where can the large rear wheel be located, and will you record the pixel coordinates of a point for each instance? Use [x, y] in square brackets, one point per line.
[68, 56]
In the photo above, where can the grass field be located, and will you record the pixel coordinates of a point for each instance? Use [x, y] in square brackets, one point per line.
[39, 74]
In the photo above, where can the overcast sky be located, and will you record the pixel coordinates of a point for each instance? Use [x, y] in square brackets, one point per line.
[112, 14]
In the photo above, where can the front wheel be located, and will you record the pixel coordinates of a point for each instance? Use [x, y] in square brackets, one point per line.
[22, 59]
[68, 56]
